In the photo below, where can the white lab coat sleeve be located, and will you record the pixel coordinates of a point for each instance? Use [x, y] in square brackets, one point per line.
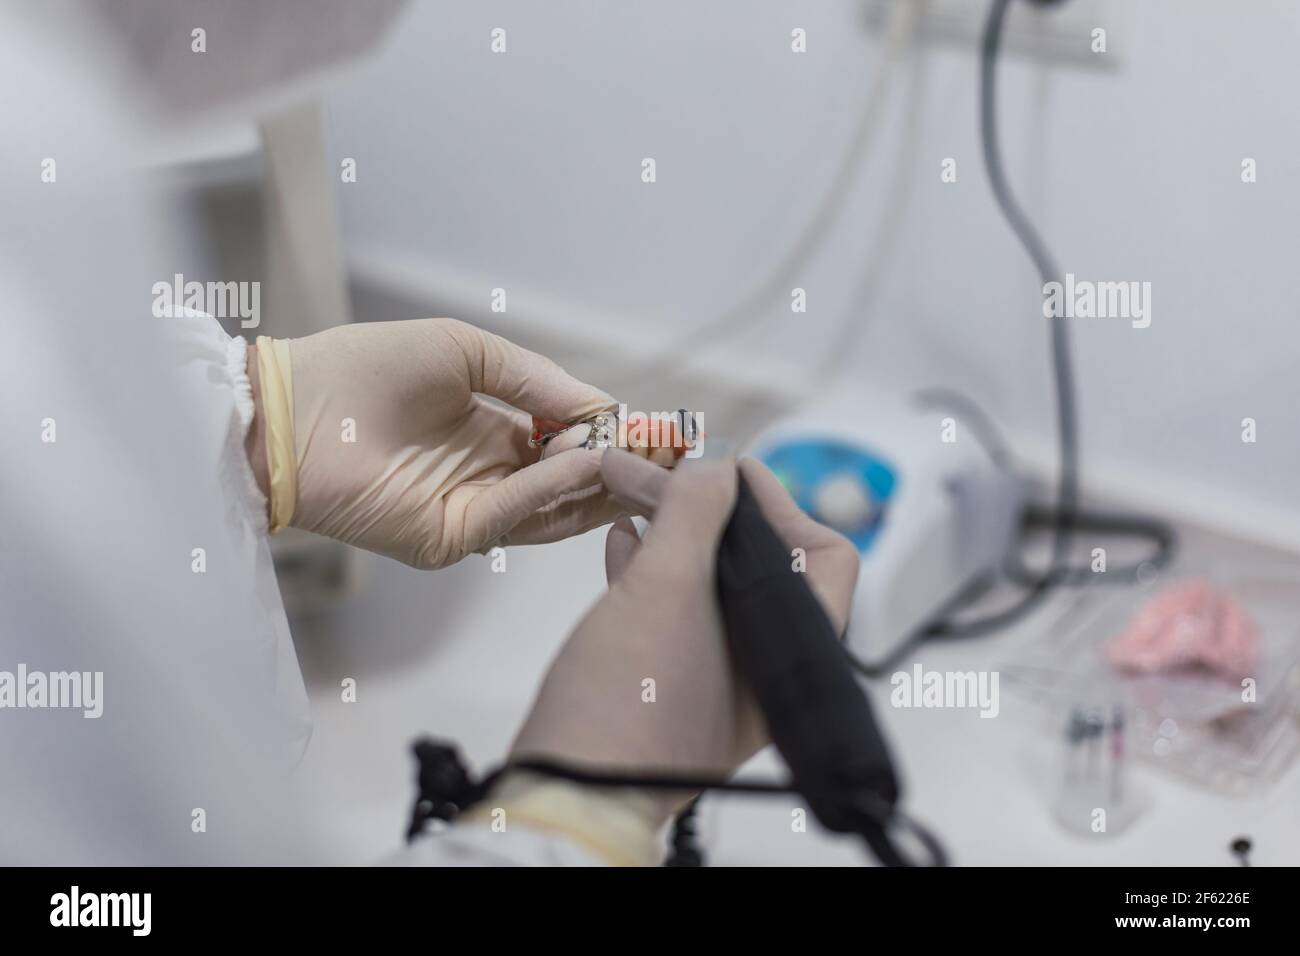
[241, 392]
[208, 353]
[216, 363]
[134, 551]
[139, 557]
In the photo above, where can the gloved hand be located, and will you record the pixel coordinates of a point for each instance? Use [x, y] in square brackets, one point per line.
[660, 621]
[391, 440]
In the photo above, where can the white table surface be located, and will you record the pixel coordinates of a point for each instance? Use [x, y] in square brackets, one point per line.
[459, 653]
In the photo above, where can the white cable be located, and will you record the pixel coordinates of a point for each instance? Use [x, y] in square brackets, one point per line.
[847, 334]
[903, 18]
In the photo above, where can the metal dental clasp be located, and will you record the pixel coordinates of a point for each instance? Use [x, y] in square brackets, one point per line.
[603, 433]
[604, 430]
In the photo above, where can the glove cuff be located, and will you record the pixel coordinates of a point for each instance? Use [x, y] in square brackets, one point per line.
[275, 372]
[615, 824]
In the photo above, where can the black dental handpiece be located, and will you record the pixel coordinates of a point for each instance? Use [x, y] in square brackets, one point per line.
[816, 712]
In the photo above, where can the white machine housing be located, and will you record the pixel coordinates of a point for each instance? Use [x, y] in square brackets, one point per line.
[949, 520]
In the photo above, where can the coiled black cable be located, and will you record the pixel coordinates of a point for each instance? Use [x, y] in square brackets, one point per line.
[1066, 517]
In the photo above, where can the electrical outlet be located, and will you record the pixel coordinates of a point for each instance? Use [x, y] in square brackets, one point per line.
[1055, 33]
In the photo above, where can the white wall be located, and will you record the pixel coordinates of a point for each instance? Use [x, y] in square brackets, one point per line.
[523, 171]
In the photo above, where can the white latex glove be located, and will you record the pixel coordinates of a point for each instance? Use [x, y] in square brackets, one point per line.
[437, 469]
[660, 621]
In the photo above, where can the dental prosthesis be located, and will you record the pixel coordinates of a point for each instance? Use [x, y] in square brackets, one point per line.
[663, 439]
[1189, 623]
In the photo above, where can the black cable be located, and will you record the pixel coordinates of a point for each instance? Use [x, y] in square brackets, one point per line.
[1067, 494]
[1063, 376]
[686, 847]
[1114, 523]
[445, 789]
[998, 449]
[1103, 522]
[1066, 518]
[886, 818]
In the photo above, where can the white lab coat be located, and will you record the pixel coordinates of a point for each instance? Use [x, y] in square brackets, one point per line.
[134, 538]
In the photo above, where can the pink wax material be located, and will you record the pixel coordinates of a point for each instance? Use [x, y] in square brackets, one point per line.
[1188, 624]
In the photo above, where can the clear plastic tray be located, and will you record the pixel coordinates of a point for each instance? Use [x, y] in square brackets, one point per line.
[1190, 723]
